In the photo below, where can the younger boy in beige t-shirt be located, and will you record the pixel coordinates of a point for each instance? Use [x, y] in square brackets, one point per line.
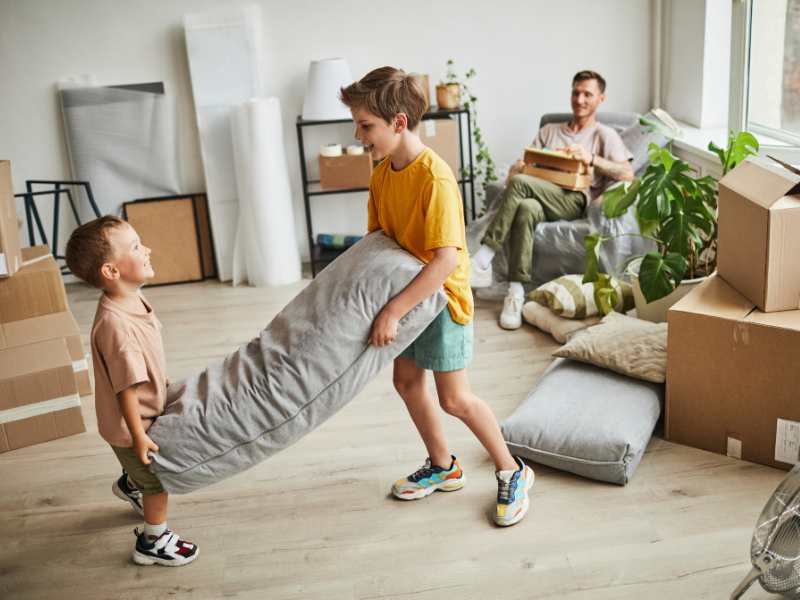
[130, 375]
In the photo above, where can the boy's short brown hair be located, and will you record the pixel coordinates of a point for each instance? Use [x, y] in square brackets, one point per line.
[385, 92]
[89, 248]
[587, 75]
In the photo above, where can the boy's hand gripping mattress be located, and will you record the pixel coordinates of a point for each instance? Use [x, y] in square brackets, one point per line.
[311, 360]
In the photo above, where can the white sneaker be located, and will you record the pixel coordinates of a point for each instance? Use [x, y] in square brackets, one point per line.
[479, 277]
[511, 317]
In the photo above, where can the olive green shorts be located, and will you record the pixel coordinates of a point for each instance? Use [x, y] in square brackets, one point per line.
[444, 345]
[138, 472]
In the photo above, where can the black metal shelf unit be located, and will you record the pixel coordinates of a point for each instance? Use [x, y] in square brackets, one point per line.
[322, 256]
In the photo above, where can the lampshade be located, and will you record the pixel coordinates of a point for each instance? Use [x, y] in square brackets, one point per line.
[325, 78]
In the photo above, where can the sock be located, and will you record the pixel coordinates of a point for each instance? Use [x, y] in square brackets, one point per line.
[506, 475]
[515, 287]
[154, 531]
[483, 257]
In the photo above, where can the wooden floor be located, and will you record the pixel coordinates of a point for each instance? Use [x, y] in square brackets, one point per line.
[316, 521]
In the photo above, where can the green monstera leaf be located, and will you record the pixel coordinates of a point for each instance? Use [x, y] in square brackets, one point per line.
[740, 146]
[605, 296]
[591, 244]
[659, 275]
[681, 231]
[617, 199]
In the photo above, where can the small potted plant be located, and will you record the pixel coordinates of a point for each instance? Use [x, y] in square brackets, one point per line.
[448, 91]
[679, 214]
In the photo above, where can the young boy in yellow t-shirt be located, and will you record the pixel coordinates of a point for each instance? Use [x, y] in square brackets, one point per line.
[414, 199]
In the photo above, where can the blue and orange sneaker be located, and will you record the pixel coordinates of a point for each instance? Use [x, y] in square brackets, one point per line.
[429, 478]
[512, 494]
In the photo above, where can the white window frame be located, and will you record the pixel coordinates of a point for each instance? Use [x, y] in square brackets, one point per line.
[777, 143]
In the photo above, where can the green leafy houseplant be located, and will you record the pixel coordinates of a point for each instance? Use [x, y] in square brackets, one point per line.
[675, 210]
[483, 170]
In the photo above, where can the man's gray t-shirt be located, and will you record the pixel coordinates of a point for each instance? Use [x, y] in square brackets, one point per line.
[597, 139]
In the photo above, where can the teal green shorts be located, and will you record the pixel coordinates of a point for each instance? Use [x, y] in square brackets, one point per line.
[444, 345]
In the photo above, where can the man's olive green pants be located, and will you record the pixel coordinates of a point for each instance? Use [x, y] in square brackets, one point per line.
[526, 202]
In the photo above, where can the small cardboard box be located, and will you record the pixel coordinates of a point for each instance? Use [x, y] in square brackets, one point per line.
[10, 253]
[38, 395]
[758, 245]
[51, 327]
[345, 172]
[441, 136]
[733, 381]
[558, 168]
[36, 289]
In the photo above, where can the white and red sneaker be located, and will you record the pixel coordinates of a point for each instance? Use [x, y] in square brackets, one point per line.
[167, 550]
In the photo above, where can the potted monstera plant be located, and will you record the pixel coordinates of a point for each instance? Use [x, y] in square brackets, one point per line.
[678, 213]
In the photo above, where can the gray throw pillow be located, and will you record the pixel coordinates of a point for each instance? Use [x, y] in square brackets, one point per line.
[311, 360]
[585, 420]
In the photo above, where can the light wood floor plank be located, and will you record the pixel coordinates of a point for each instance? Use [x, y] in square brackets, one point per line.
[316, 521]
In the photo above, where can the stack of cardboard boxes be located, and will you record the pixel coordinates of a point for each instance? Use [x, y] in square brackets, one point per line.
[733, 353]
[43, 367]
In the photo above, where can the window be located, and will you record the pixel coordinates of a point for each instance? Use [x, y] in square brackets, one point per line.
[765, 74]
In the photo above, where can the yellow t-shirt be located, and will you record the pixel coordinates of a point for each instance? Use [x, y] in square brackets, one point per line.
[420, 208]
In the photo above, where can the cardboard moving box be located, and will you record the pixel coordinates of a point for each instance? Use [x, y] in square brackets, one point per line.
[51, 327]
[10, 254]
[38, 395]
[345, 171]
[441, 136]
[36, 289]
[758, 248]
[733, 376]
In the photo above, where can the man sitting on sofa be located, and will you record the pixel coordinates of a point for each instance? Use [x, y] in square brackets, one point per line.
[528, 200]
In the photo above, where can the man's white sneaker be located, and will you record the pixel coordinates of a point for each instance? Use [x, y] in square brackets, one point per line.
[511, 317]
[479, 277]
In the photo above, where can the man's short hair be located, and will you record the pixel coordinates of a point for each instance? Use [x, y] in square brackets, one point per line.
[386, 91]
[89, 248]
[587, 75]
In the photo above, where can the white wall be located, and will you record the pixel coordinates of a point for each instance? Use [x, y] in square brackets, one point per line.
[525, 53]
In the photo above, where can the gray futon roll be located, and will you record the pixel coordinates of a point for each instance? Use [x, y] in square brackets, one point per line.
[311, 360]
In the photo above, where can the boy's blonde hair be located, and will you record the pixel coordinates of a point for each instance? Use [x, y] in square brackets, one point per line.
[386, 91]
[89, 248]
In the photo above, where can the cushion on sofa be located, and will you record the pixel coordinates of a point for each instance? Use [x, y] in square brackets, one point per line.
[629, 346]
[311, 360]
[585, 420]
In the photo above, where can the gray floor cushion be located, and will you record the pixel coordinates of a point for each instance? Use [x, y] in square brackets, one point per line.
[311, 360]
[586, 420]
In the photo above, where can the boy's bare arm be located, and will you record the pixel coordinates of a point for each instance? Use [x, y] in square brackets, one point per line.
[430, 279]
[129, 405]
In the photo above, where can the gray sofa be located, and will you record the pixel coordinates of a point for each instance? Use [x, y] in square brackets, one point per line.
[559, 244]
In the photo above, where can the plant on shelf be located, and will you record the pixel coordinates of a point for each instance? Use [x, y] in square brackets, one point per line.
[676, 211]
[483, 169]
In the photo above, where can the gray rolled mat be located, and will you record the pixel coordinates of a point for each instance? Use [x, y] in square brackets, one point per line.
[311, 360]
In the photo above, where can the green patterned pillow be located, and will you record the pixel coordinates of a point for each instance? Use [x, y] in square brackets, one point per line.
[568, 297]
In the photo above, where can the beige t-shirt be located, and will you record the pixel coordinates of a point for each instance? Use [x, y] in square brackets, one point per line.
[597, 139]
[126, 350]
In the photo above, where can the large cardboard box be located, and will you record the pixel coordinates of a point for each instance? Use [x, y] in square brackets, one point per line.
[38, 395]
[36, 289]
[733, 376]
[51, 327]
[758, 250]
[441, 136]
[10, 254]
[345, 172]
